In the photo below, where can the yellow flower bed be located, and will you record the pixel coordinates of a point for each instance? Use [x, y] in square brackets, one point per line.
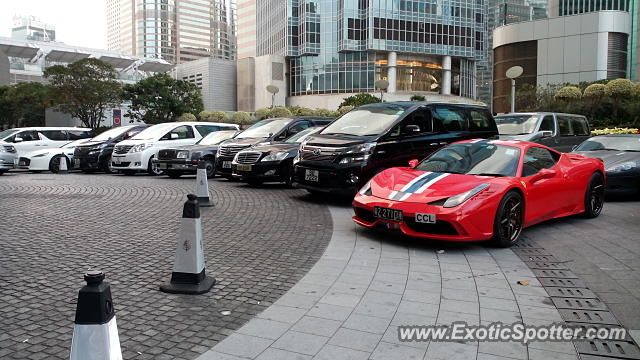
[615, 130]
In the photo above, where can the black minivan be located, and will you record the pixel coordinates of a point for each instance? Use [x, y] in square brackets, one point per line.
[347, 153]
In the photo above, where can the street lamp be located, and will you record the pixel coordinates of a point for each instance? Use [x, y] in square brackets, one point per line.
[512, 73]
[382, 85]
[273, 90]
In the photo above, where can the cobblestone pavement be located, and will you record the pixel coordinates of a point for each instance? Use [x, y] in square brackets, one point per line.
[367, 283]
[258, 244]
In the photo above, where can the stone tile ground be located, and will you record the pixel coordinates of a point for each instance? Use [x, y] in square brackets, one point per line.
[258, 244]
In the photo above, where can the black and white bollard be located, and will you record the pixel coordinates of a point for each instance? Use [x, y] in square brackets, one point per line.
[63, 168]
[202, 185]
[95, 333]
[188, 276]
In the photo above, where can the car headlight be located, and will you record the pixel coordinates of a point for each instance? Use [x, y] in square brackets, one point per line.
[182, 155]
[626, 166]
[358, 153]
[140, 148]
[461, 198]
[40, 155]
[366, 189]
[279, 156]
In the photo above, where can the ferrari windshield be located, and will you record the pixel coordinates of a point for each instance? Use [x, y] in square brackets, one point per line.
[516, 124]
[367, 120]
[216, 137]
[264, 128]
[481, 158]
[618, 143]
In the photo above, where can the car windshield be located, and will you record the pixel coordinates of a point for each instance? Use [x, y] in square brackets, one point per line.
[482, 158]
[618, 143]
[264, 128]
[6, 133]
[216, 137]
[154, 132]
[110, 134]
[516, 124]
[367, 120]
[302, 135]
[74, 143]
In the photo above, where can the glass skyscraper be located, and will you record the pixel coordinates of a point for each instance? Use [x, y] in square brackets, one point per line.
[344, 46]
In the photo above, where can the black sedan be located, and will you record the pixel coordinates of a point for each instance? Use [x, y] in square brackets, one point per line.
[621, 156]
[271, 162]
[95, 154]
[179, 161]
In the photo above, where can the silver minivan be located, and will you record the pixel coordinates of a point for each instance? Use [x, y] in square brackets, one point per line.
[558, 131]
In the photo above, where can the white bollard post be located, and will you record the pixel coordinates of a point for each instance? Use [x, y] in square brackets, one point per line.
[202, 185]
[95, 333]
[189, 276]
[63, 168]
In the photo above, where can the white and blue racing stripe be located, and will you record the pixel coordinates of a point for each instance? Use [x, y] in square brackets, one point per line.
[424, 184]
[396, 195]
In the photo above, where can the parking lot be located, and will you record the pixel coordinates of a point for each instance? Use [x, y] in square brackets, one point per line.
[263, 243]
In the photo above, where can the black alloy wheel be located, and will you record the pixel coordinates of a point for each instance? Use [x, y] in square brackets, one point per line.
[594, 196]
[509, 220]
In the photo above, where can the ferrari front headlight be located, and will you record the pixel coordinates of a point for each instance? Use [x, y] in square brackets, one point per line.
[461, 198]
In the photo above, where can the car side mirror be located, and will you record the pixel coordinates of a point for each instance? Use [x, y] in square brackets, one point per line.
[411, 129]
[413, 163]
[18, 139]
[546, 133]
[174, 136]
[543, 174]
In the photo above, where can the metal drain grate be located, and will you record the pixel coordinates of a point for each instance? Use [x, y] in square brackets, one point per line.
[578, 304]
[539, 258]
[563, 274]
[571, 292]
[529, 251]
[527, 244]
[596, 327]
[588, 316]
[562, 282]
[609, 348]
[546, 265]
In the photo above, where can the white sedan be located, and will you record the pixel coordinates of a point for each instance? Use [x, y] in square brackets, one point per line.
[49, 159]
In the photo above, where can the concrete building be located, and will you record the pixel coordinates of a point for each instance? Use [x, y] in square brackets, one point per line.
[29, 28]
[334, 49]
[566, 49]
[254, 75]
[216, 79]
[173, 30]
[28, 59]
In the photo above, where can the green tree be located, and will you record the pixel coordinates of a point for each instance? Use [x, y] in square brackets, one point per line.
[568, 93]
[594, 93]
[187, 117]
[263, 113]
[161, 98]
[214, 116]
[280, 112]
[301, 111]
[618, 90]
[417, 98]
[359, 100]
[241, 118]
[345, 109]
[86, 89]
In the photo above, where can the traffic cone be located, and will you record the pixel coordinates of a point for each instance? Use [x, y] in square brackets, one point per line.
[95, 333]
[202, 185]
[63, 168]
[188, 276]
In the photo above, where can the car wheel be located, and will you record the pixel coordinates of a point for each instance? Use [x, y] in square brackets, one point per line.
[128, 172]
[594, 196]
[211, 168]
[2, 172]
[174, 174]
[152, 169]
[509, 220]
[54, 163]
[107, 167]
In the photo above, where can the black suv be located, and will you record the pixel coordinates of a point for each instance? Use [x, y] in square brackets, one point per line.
[95, 154]
[263, 132]
[351, 150]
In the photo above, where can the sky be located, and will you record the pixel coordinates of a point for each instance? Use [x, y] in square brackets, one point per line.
[77, 22]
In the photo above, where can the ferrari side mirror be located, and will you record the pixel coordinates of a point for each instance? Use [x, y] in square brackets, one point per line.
[413, 163]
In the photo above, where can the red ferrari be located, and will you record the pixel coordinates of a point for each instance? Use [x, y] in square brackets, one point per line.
[482, 189]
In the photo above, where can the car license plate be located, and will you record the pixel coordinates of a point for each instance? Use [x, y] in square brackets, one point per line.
[116, 161]
[311, 175]
[387, 213]
[163, 166]
[426, 218]
[244, 167]
[226, 164]
[22, 163]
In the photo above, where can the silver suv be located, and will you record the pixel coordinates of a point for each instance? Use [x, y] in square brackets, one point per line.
[558, 131]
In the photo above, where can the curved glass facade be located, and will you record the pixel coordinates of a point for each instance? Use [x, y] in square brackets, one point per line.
[342, 46]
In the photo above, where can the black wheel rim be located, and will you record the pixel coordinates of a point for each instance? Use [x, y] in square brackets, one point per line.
[596, 198]
[209, 167]
[55, 164]
[155, 170]
[511, 220]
